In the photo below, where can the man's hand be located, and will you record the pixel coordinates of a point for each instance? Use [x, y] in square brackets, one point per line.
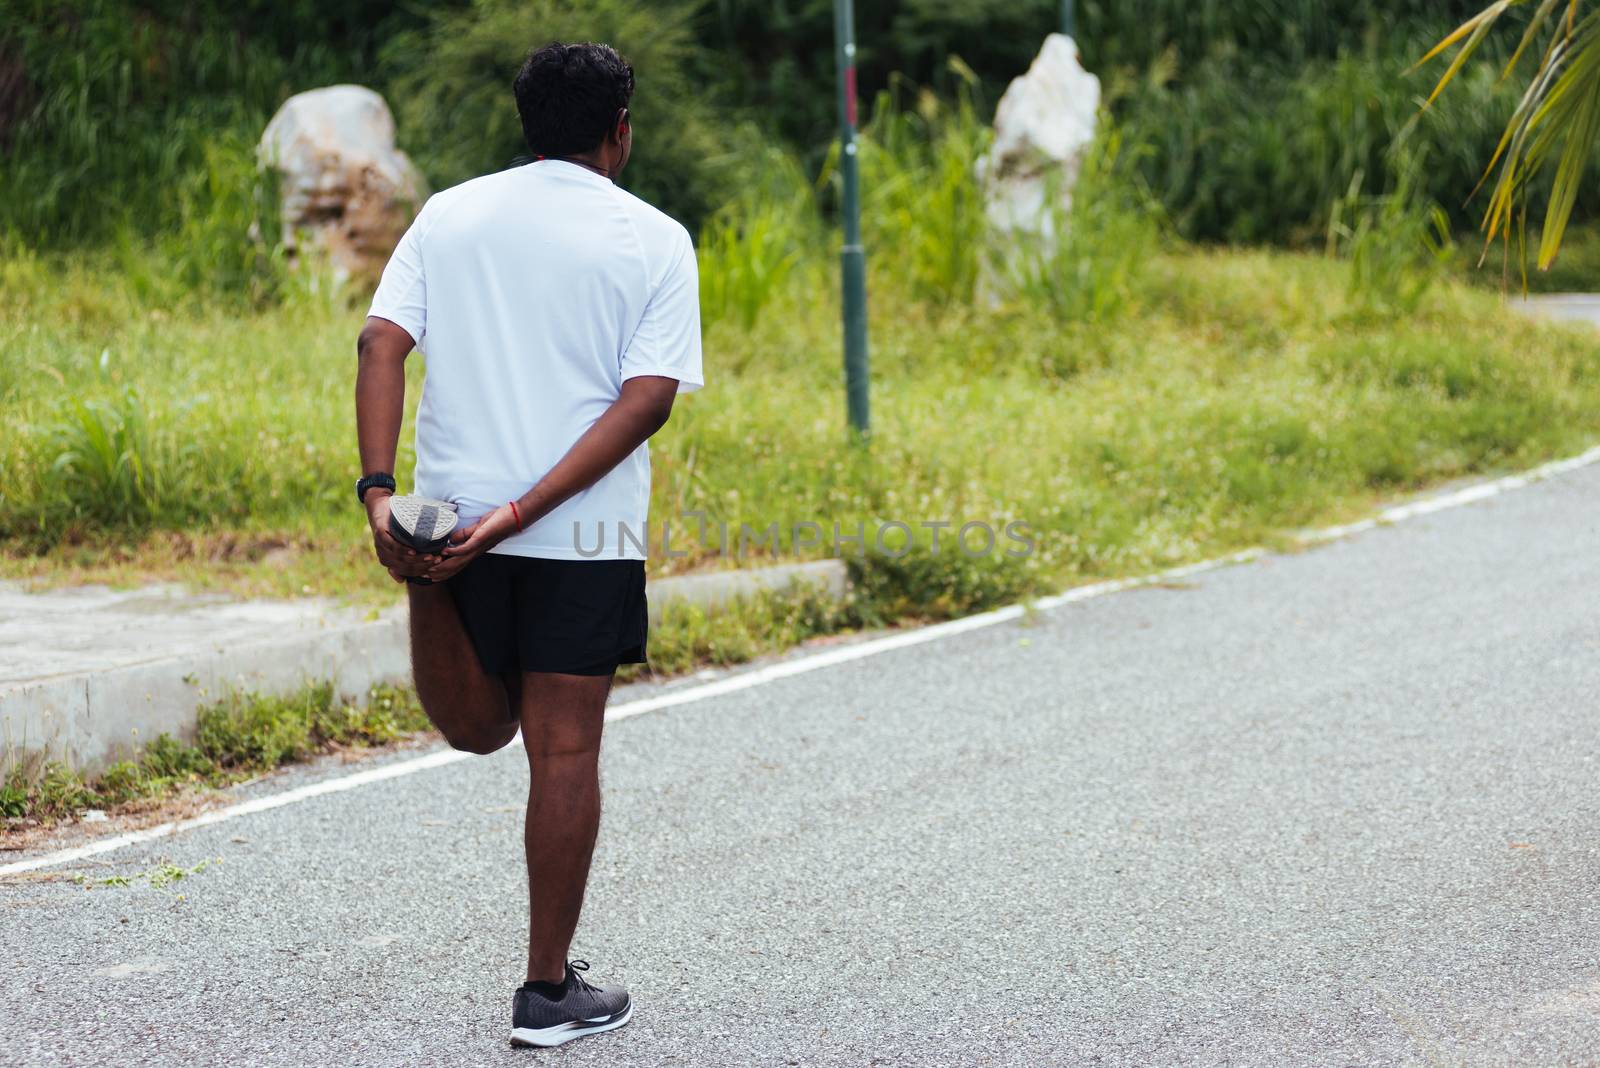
[472, 541]
[639, 411]
[401, 560]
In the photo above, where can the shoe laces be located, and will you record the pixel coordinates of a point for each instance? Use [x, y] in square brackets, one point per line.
[574, 967]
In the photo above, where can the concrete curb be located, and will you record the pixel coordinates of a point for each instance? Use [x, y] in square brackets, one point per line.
[715, 588]
[93, 717]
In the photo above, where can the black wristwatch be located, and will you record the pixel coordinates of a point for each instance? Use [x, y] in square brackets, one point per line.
[379, 479]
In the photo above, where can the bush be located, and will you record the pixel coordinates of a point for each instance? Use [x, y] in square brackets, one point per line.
[1243, 150]
[1085, 263]
[749, 250]
[117, 110]
[928, 585]
[922, 203]
[1398, 244]
[452, 92]
[119, 120]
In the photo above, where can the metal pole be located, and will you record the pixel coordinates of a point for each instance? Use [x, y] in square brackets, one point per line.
[1067, 26]
[852, 257]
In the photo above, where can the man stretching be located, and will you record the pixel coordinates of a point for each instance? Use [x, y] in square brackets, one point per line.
[560, 317]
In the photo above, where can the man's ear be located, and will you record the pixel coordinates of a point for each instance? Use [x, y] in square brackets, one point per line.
[622, 124]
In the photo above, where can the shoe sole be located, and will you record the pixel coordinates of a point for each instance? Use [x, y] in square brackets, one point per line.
[545, 1037]
[423, 523]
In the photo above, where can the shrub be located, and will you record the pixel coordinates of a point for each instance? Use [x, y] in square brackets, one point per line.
[452, 93]
[923, 584]
[1244, 149]
[749, 250]
[106, 460]
[1398, 243]
[922, 204]
[1085, 262]
[118, 114]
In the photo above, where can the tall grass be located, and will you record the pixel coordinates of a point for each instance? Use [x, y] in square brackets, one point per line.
[1247, 152]
[117, 106]
[1398, 243]
[106, 458]
[746, 256]
[125, 413]
[1142, 404]
[1085, 261]
[922, 194]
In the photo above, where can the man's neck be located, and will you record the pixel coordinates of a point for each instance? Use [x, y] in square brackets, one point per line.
[589, 160]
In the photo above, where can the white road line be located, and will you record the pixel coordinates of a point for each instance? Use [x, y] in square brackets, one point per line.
[244, 808]
[818, 661]
[1478, 491]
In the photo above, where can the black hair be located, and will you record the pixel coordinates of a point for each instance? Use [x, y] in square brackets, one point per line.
[568, 96]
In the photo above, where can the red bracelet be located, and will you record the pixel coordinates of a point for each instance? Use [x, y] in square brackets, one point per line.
[516, 515]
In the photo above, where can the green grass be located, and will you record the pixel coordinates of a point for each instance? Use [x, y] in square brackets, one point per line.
[1237, 393]
[235, 739]
[1133, 401]
[688, 636]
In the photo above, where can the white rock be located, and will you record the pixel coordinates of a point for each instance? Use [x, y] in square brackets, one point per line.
[346, 188]
[1043, 127]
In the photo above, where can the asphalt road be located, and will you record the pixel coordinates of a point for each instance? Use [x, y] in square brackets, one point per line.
[1338, 807]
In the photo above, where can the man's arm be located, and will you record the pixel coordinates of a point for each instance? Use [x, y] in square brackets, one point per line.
[381, 350]
[642, 408]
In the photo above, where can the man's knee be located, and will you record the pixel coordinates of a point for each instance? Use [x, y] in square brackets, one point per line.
[477, 740]
[572, 740]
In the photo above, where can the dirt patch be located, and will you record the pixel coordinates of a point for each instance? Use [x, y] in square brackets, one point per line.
[24, 837]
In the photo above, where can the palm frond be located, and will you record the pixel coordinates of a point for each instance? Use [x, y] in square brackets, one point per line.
[1555, 127]
[1480, 26]
[1535, 24]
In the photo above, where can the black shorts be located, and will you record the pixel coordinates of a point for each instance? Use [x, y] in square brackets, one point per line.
[575, 617]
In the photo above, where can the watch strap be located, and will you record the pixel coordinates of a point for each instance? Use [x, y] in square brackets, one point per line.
[378, 479]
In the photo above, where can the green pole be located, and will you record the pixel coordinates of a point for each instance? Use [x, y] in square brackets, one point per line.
[852, 257]
[1067, 26]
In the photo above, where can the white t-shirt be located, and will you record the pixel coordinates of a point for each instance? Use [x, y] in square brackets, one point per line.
[534, 294]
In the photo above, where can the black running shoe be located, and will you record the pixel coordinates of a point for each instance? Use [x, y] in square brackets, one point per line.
[422, 522]
[582, 1008]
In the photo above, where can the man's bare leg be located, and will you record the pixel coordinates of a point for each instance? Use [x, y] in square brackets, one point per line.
[474, 710]
[562, 717]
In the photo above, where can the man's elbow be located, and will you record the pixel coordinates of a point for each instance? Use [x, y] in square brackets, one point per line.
[367, 345]
[657, 413]
[650, 399]
[382, 342]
